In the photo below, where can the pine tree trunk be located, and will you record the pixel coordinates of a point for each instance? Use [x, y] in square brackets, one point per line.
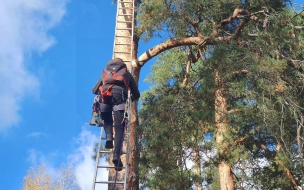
[132, 179]
[226, 178]
[132, 182]
[197, 166]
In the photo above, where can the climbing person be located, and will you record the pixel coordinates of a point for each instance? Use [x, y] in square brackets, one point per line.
[112, 91]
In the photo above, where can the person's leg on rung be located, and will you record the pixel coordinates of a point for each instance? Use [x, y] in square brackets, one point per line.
[108, 127]
[119, 134]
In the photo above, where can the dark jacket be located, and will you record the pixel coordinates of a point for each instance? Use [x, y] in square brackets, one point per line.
[119, 89]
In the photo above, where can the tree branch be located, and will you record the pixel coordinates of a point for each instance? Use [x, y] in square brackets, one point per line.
[236, 98]
[234, 111]
[243, 71]
[188, 65]
[299, 87]
[280, 162]
[236, 12]
[293, 63]
[172, 43]
[201, 40]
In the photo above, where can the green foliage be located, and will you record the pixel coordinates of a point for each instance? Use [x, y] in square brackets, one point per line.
[171, 125]
[263, 77]
[175, 18]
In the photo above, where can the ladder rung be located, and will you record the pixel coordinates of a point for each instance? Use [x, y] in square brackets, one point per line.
[127, 21]
[125, 1]
[124, 36]
[105, 151]
[124, 28]
[125, 15]
[110, 152]
[130, 8]
[110, 182]
[123, 52]
[124, 44]
[109, 167]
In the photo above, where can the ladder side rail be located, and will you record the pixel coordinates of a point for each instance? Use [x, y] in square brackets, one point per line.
[131, 53]
[129, 100]
[128, 140]
[117, 12]
[97, 158]
[132, 35]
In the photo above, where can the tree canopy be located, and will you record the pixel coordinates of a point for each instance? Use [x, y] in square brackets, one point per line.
[226, 109]
[38, 178]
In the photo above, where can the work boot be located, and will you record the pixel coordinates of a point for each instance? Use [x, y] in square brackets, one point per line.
[109, 141]
[117, 162]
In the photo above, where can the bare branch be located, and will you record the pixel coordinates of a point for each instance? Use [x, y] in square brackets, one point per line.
[234, 111]
[172, 43]
[236, 12]
[243, 71]
[188, 65]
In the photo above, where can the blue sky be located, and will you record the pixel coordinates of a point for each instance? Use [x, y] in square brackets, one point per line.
[51, 54]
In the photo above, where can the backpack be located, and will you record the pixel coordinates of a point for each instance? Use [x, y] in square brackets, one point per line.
[112, 75]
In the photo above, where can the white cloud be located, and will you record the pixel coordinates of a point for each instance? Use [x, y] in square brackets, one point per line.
[36, 158]
[83, 163]
[25, 26]
[80, 159]
[35, 134]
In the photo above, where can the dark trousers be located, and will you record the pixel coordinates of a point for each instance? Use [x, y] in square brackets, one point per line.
[119, 126]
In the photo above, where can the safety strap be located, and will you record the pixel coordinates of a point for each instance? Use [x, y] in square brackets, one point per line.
[116, 76]
[106, 93]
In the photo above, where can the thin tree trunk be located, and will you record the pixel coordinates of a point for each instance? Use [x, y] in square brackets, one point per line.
[197, 166]
[226, 178]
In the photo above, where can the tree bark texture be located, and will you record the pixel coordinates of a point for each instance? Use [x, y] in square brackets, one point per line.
[226, 178]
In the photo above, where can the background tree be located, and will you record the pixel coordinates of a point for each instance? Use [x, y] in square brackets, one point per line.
[252, 137]
[175, 121]
[39, 179]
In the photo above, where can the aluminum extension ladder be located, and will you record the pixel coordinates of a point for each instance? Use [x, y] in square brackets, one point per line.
[124, 25]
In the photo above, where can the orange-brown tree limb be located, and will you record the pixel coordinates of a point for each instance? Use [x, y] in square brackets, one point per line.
[236, 12]
[280, 162]
[200, 40]
[243, 71]
[188, 65]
